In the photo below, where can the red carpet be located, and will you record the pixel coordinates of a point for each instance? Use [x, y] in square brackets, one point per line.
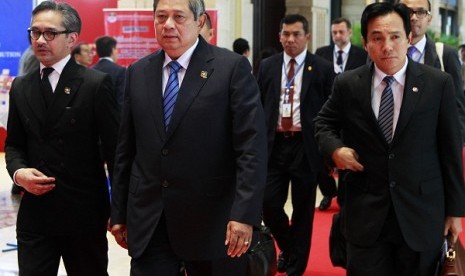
[319, 263]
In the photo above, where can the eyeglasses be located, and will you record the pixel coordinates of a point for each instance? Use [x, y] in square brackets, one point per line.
[48, 35]
[419, 13]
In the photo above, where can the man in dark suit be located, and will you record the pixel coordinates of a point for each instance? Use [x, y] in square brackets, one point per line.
[106, 50]
[191, 157]
[400, 152]
[59, 119]
[344, 56]
[423, 50]
[294, 85]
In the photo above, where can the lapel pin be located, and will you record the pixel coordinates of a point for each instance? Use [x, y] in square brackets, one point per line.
[414, 89]
[309, 68]
[203, 74]
[67, 90]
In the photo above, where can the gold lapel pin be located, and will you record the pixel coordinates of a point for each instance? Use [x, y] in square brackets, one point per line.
[414, 89]
[67, 90]
[309, 68]
[203, 74]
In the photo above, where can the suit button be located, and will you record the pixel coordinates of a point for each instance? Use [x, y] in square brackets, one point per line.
[392, 184]
[165, 184]
[164, 152]
[391, 156]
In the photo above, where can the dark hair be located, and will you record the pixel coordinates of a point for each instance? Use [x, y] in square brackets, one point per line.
[240, 46]
[342, 20]
[196, 6]
[462, 46]
[429, 4]
[294, 18]
[77, 49]
[105, 46]
[375, 10]
[71, 20]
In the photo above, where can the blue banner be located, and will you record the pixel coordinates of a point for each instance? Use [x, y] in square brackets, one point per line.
[15, 18]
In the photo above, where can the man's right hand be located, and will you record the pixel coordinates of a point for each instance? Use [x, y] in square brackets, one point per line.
[346, 159]
[120, 234]
[34, 181]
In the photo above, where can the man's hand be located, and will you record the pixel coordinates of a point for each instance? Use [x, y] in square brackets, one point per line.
[120, 234]
[238, 237]
[34, 181]
[453, 226]
[346, 159]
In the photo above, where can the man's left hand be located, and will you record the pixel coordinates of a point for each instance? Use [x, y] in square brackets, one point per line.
[238, 237]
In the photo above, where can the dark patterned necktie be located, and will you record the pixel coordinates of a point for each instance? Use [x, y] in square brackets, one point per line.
[45, 85]
[339, 60]
[171, 91]
[386, 109]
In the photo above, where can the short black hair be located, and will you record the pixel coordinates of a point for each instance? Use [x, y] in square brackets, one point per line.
[375, 10]
[77, 49]
[462, 46]
[241, 46]
[429, 4]
[71, 20]
[105, 45]
[341, 20]
[294, 18]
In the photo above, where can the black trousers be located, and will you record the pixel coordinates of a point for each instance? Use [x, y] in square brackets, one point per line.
[327, 183]
[288, 165]
[160, 259]
[83, 253]
[390, 255]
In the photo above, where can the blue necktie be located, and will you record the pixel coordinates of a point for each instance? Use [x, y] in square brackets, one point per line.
[171, 91]
[386, 109]
[411, 50]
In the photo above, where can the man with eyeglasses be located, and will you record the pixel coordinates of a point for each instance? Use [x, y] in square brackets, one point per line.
[62, 127]
[423, 50]
[294, 85]
[82, 54]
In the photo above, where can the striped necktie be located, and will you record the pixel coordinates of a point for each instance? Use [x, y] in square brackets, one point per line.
[171, 91]
[386, 109]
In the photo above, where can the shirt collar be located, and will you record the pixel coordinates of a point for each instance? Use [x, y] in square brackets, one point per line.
[346, 48]
[399, 76]
[184, 59]
[299, 59]
[420, 45]
[107, 58]
[59, 66]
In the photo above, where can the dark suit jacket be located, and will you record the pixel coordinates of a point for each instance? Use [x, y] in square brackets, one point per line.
[116, 73]
[451, 62]
[357, 56]
[317, 80]
[207, 169]
[420, 172]
[63, 141]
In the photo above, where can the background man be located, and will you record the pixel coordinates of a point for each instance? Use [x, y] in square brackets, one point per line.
[344, 56]
[59, 119]
[294, 85]
[207, 31]
[106, 50]
[424, 51]
[401, 149]
[82, 54]
[189, 178]
[241, 46]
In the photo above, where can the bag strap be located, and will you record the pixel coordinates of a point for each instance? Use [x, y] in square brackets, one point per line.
[440, 52]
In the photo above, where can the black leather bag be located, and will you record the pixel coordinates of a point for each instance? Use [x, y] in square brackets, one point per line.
[262, 255]
[337, 243]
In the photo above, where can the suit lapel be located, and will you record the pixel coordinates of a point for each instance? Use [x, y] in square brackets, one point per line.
[431, 57]
[364, 84]
[153, 89]
[34, 96]
[307, 76]
[67, 88]
[197, 74]
[412, 92]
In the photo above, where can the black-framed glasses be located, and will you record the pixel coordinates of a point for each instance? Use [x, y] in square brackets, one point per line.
[419, 13]
[48, 35]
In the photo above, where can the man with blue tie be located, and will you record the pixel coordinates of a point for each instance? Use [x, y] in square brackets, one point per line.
[392, 127]
[191, 159]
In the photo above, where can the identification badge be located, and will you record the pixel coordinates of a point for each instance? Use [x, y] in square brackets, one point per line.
[286, 110]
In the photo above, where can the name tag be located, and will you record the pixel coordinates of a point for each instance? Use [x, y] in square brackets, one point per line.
[286, 110]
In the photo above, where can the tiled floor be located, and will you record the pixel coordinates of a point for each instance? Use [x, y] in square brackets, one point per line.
[118, 258]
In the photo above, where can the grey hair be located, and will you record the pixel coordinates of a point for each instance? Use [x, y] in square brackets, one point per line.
[196, 6]
[71, 20]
